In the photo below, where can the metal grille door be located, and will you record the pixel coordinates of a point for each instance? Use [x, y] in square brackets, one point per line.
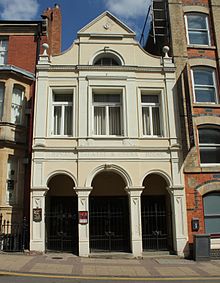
[154, 223]
[109, 224]
[62, 224]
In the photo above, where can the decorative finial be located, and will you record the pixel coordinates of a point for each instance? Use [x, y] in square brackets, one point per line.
[45, 47]
[166, 49]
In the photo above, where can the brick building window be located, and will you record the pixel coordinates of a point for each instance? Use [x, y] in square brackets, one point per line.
[197, 29]
[62, 114]
[204, 85]
[151, 115]
[211, 203]
[209, 145]
[2, 94]
[17, 104]
[3, 51]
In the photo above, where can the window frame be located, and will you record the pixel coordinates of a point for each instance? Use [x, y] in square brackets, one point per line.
[214, 86]
[63, 104]
[108, 105]
[20, 106]
[2, 85]
[208, 146]
[150, 106]
[207, 30]
[211, 215]
[2, 51]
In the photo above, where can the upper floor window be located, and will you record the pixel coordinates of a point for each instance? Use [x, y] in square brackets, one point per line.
[3, 51]
[17, 105]
[151, 115]
[107, 59]
[204, 85]
[209, 145]
[211, 203]
[12, 176]
[107, 114]
[62, 114]
[197, 29]
[2, 94]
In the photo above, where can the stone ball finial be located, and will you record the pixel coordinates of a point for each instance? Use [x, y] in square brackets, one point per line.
[166, 49]
[45, 47]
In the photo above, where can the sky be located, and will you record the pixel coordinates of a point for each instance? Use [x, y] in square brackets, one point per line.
[77, 13]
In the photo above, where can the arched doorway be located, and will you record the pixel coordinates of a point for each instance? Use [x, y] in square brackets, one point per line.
[109, 221]
[156, 214]
[61, 215]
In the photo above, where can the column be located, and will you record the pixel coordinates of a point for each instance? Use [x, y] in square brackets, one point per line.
[37, 219]
[83, 205]
[179, 220]
[135, 220]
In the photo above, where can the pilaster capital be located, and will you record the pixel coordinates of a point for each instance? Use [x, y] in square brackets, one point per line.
[39, 191]
[177, 190]
[135, 191]
[83, 191]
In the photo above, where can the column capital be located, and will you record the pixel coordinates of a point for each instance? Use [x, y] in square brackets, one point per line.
[135, 190]
[83, 191]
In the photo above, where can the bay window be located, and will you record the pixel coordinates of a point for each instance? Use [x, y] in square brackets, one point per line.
[204, 85]
[209, 145]
[197, 29]
[3, 51]
[107, 112]
[62, 114]
[151, 115]
[2, 94]
[17, 105]
[12, 176]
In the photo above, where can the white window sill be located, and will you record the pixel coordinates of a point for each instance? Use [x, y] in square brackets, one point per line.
[206, 104]
[198, 46]
[209, 165]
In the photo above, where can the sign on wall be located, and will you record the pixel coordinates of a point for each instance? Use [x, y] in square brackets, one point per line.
[83, 217]
[37, 214]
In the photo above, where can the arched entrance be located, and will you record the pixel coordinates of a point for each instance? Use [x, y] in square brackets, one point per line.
[109, 221]
[156, 214]
[61, 215]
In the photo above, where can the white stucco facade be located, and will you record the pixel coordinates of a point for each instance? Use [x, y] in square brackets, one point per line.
[84, 153]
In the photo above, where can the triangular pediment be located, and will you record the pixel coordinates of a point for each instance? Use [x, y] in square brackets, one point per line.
[106, 24]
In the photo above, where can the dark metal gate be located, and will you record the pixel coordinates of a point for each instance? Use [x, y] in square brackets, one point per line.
[109, 224]
[62, 224]
[154, 223]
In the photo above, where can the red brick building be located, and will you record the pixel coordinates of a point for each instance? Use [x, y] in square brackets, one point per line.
[20, 46]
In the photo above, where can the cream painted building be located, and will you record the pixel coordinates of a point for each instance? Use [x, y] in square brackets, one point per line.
[106, 163]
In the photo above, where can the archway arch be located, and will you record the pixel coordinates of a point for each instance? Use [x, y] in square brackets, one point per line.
[109, 213]
[156, 212]
[61, 217]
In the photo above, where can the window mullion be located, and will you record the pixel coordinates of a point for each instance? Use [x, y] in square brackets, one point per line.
[151, 120]
[107, 119]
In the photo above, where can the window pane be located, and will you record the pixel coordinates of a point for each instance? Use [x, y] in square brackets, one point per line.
[99, 121]
[205, 95]
[212, 203]
[57, 120]
[209, 136]
[63, 97]
[212, 225]
[203, 77]
[16, 107]
[156, 121]
[3, 51]
[196, 21]
[2, 90]
[68, 118]
[149, 98]
[210, 155]
[146, 120]
[108, 98]
[114, 121]
[198, 38]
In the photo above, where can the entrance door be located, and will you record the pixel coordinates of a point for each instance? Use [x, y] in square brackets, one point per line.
[154, 223]
[109, 224]
[62, 224]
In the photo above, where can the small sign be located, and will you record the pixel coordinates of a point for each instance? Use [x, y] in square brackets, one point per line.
[37, 214]
[83, 217]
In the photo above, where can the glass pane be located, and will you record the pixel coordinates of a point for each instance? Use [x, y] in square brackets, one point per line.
[3, 57]
[210, 155]
[212, 203]
[1, 99]
[57, 120]
[198, 38]
[150, 98]
[212, 225]
[99, 121]
[112, 98]
[17, 96]
[205, 95]
[196, 21]
[68, 118]
[203, 77]
[114, 121]
[156, 121]
[3, 44]
[209, 136]
[146, 120]
[63, 98]
[16, 111]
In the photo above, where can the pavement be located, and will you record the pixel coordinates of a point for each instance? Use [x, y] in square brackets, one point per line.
[57, 264]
